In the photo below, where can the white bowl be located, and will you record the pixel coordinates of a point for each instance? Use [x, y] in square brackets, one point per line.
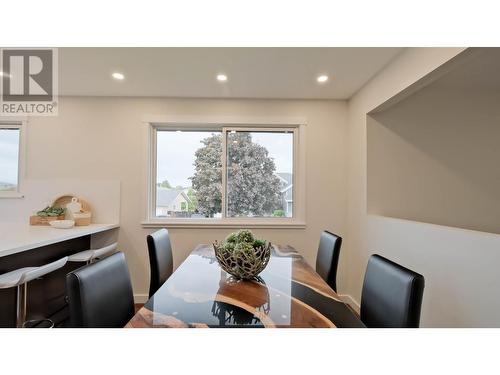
[62, 224]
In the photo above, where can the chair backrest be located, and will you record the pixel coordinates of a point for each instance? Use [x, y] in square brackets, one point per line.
[160, 259]
[327, 259]
[100, 294]
[392, 295]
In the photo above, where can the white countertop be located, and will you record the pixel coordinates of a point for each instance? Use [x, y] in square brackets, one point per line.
[17, 237]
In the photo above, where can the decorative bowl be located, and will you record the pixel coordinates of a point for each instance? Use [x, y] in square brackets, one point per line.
[62, 224]
[241, 255]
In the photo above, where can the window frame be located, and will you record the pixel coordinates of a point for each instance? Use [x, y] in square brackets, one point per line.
[16, 123]
[275, 129]
[295, 125]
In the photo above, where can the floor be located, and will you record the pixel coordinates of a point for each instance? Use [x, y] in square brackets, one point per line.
[138, 306]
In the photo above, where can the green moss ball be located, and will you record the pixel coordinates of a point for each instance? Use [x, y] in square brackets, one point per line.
[259, 243]
[244, 247]
[228, 246]
[244, 235]
[231, 238]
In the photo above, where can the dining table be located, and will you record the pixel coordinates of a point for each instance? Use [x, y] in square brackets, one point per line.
[288, 293]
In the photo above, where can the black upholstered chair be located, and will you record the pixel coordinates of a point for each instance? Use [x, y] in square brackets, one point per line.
[100, 294]
[327, 259]
[160, 259]
[392, 295]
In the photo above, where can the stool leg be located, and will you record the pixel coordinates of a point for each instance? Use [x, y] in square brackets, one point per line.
[21, 297]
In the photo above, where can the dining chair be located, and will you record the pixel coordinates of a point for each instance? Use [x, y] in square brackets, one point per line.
[100, 294]
[327, 259]
[160, 259]
[391, 296]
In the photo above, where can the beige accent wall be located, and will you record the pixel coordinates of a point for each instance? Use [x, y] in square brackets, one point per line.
[460, 266]
[434, 158]
[103, 138]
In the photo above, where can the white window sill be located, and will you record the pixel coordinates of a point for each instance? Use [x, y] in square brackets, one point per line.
[218, 223]
[11, 195]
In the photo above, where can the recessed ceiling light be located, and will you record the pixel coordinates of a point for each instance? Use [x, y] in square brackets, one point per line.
[221, 77]
[2, 74]
[322, 78]
[118, 76]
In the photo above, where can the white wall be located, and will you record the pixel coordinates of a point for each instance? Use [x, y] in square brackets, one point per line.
[103, 195]
[103, 138]
[433, 157]
[460, 266]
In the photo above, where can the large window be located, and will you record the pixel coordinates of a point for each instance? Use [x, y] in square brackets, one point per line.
[10, 152]
[223, 174]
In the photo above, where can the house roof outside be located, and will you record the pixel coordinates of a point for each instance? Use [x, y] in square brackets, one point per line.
[164, 196]
[286, 180]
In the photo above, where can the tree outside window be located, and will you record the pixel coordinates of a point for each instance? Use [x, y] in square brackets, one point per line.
[259, 171]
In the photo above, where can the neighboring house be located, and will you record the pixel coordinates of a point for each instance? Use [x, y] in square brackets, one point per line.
[171, 202]
[286, 186]
[7, 186]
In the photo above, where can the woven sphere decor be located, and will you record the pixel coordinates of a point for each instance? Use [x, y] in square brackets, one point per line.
[241, 255]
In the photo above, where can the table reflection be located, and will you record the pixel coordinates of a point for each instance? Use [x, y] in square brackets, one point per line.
[242, 313]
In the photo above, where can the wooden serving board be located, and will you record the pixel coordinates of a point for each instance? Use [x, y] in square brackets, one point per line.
[63, 200]
[44, 220]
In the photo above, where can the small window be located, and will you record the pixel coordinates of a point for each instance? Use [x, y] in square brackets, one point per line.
[10, 156]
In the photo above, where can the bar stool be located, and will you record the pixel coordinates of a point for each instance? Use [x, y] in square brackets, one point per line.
[20, 278]
[90, 256]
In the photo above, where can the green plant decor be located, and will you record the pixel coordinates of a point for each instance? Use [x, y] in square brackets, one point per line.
[241, 255]
[51, 212]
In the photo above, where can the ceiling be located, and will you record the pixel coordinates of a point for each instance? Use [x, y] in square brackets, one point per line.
[190, 72]
[477, 71]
